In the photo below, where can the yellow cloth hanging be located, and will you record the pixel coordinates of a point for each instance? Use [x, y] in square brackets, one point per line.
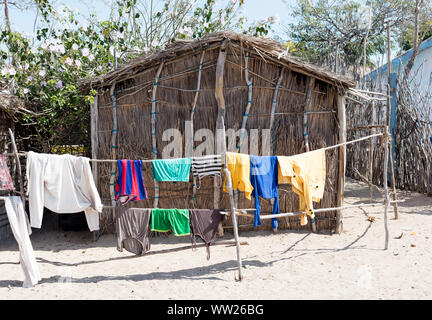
[239, 167]
[306, 172]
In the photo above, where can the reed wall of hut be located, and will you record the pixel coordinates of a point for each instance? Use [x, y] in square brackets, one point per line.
[174, 99]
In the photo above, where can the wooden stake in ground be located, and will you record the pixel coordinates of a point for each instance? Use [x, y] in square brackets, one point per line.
[307, 108]
[386, 194]
[113, 148]
[94, 137]
[386, 141]
[342, 161]
[232, 207]
[388, 115]
[371, 151]
[221, 144]
[94, 147]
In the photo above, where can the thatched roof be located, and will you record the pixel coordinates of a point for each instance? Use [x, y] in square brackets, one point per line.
[10, 103]
[267, 49]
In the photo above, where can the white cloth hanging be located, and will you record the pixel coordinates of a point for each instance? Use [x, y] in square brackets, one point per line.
[21, 230]
[63, 184]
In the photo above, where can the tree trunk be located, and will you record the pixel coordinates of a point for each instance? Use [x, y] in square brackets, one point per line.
[6, 13]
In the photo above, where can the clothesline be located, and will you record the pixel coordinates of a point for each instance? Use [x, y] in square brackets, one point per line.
[224, 211]
[150, 160]
[325, 148]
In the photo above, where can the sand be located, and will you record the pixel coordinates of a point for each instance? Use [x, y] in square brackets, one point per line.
[286, 265]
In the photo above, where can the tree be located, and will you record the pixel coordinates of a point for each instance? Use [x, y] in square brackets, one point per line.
[406, 36]
[339, 33]
[45, 69]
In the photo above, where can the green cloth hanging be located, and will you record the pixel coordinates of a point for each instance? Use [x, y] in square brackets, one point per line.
[177, 219]
[171, 169]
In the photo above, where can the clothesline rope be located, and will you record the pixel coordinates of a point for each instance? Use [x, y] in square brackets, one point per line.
[150, 160]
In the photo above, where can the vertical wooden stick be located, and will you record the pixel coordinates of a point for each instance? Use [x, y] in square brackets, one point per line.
[388, 117]
[94, 147]
[191, 151]
[393, 184]
[20, 178]
[249, 103]
[273, 110]
[221, 144]
[307, 108]
[371, 151]
[232, 207]
[342, 161]
[153, 132]
[308, 103]
[386, 194]
[245, 115]
[94, 138]
[386, 140]
[113, 149]
[219, 121]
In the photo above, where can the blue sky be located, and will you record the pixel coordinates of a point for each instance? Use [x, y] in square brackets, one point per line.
[254, 10]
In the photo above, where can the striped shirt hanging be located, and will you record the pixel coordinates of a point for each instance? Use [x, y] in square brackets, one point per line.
[206, 166]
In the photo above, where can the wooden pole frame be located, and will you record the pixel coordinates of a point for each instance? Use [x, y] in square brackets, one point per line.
[388, 117]
[249, 102]
[221, 146]
[273, 110]
[308, 104]
[113, 148]
[94, 124]
[232, 206]
[94, 147]
[342, 162]
[192, 114]
[386, 143]
[153, 129]
[371, 152]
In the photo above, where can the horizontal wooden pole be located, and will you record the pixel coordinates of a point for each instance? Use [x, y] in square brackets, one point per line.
[297, 213]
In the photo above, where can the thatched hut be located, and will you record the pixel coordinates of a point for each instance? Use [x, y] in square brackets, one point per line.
[185, 75]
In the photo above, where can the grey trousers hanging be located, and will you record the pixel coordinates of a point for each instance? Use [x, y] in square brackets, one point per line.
[132, 226]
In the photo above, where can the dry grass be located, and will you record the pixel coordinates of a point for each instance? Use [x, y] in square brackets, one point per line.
[267, 49]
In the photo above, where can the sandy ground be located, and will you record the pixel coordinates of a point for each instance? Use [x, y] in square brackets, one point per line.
[287, 265]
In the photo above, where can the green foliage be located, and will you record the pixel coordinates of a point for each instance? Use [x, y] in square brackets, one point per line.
[406, 36]
[336, 29]
[45, 75]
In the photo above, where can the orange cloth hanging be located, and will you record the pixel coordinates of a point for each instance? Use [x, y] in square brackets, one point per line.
[306, 172]
[239, 166]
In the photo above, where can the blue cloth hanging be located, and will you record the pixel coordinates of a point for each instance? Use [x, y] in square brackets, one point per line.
[264, 179]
